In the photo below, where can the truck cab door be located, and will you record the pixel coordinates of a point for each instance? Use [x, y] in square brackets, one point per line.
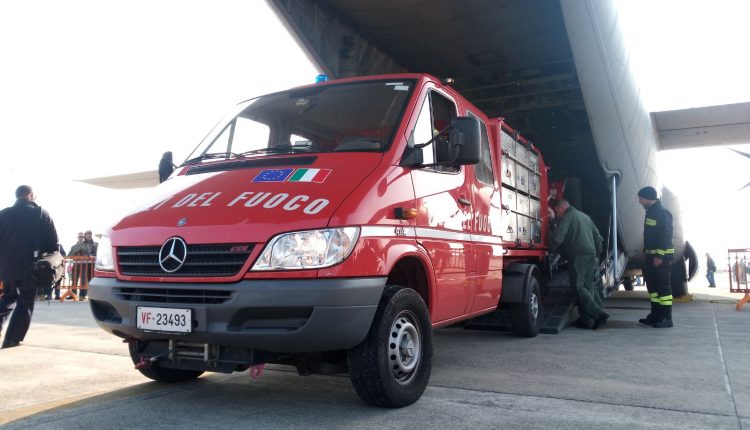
[443, 195]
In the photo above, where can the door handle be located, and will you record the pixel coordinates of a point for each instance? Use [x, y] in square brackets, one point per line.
[464, 201]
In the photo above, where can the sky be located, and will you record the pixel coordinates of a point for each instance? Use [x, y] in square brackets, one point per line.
[97, 88]
[690, 53]
[92, 88]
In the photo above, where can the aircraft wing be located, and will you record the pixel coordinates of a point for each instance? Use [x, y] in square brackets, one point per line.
[126, 181]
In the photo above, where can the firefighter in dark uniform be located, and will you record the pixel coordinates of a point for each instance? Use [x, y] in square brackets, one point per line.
[25, 231]
[657, 245]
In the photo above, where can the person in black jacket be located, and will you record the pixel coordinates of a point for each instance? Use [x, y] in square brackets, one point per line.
[657, 245]
[710, 270]
[26, 230]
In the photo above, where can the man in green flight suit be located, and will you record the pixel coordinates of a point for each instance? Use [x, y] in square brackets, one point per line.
[577, 239]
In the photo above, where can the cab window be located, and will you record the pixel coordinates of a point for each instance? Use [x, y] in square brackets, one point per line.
[483, 169]
[249, 135]
[435, 115]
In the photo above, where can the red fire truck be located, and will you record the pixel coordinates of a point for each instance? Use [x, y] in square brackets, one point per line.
[330, 227]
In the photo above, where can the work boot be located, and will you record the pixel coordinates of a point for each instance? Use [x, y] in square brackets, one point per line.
[649, 320]
[600, 320]
[664, 317]
[583, 323]
[668, 315]
[665, 323]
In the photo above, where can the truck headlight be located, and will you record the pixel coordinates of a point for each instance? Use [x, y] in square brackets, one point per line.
[312, 249]
[104, 260]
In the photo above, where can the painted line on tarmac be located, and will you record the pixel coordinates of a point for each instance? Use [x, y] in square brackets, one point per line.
[572, 399]
[71, 405]
[101, 396]
[724, 370]
[87, 351]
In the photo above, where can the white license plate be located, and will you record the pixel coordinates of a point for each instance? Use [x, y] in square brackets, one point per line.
[164, 319]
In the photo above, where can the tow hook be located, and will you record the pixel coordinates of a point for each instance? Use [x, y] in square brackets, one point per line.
[256, 371]
[143, 363]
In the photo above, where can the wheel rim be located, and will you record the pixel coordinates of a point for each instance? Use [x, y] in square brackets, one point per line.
[404, 347]
[534, 306]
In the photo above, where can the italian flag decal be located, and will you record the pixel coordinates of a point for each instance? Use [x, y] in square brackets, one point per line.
[309, 175]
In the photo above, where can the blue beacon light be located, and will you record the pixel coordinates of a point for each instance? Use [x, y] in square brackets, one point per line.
[321, 78]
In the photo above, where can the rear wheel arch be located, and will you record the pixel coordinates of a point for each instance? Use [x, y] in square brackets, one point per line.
[516, 279]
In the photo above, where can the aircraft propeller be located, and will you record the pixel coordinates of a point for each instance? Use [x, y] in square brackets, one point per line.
[746, 155]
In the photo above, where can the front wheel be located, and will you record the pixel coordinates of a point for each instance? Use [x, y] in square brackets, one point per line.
[160, 374]
[392, 366]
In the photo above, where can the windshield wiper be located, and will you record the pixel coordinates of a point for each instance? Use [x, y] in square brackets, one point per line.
[285, 148]
[277, 148]
[209, 155]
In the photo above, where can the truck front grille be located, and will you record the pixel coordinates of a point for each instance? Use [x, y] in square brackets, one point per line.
[172, 295]
[215, 260]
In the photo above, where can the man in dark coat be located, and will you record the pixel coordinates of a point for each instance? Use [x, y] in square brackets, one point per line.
[710, 270]
[578, 240]
[83, 269]
[658, 248]
[25, 231]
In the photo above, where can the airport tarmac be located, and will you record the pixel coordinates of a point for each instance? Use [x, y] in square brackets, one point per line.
[71, 374]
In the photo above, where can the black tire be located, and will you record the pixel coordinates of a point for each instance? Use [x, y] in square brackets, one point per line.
[392, 366]
[526, 318]
[627, 283]
[678, 278]
[161, 374]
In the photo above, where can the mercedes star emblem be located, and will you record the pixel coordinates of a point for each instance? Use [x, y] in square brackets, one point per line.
[172, 254]
[181, 222]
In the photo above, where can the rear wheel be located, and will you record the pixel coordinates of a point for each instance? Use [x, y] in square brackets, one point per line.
[627, 283]
[526, 318]
[160, 374]
[392, 366]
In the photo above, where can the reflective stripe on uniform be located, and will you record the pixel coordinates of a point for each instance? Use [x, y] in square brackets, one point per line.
[655, 297]
[651, 222]
[666, 300]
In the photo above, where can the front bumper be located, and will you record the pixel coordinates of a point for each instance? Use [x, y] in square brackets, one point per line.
[300, 315]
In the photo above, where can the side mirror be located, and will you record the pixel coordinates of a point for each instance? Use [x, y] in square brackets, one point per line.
[464, 135]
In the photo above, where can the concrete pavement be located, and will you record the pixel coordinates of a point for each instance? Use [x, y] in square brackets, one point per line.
[71, 374]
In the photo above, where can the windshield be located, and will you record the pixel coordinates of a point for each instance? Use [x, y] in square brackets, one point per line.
[347, 117]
